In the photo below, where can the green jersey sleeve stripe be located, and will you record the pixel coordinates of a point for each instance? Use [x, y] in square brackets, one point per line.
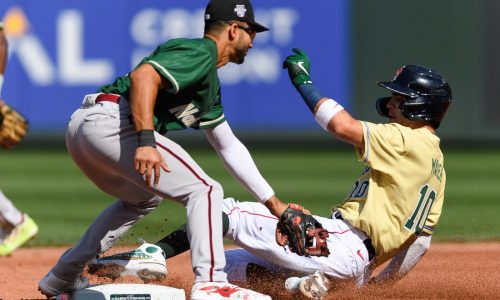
[165, 72]
[212, 121]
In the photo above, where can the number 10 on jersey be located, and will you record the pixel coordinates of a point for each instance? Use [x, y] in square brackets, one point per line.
[427, 197]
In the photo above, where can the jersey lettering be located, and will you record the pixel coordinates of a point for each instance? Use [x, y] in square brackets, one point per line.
[437, 169]
[422, 210]
[186, 114]
[359, 189]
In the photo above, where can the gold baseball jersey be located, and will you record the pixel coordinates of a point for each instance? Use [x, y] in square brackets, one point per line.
[400, 193]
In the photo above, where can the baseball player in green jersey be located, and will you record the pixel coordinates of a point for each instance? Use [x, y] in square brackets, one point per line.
[16, 228]
[117, 139]
[390, 211]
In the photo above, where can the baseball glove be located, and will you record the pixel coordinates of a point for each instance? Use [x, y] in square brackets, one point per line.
[13, 126]
[303, 234]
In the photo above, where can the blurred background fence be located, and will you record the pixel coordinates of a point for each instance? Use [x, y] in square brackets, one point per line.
[61, 50]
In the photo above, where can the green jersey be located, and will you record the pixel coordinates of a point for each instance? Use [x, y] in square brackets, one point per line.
[194, 98]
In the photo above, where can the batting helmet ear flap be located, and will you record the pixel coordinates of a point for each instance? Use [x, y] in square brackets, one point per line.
[381, 105]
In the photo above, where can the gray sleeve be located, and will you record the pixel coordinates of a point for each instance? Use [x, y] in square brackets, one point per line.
[403, 262]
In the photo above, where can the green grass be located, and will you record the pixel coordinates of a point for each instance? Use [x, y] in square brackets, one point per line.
[472, 198]
[48, 186]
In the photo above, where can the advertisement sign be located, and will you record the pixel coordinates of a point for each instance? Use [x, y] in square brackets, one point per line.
[60, 50]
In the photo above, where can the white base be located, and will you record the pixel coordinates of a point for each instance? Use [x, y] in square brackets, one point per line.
[125, 292]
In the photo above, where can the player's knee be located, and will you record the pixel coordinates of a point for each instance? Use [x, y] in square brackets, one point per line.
[198, 193]
[217, 190]
[213, 188]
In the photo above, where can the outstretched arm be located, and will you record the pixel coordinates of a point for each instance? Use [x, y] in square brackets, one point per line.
[239, 163]
[403, 262]
[328, 113]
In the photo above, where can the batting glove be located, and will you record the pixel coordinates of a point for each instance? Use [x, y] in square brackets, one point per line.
[298, 66]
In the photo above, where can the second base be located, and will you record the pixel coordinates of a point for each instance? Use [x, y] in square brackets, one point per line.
[126, 292]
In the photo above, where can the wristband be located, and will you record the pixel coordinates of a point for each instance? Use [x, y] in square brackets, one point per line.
[146, 138]
[326, 112]
[310, 95]
[1, 84]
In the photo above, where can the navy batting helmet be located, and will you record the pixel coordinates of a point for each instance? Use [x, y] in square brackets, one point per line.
[427, 94]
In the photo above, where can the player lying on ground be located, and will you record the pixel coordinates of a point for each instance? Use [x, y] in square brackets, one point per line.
[392, 208]
[252, 227]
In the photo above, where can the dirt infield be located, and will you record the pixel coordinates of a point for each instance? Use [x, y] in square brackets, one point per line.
[448, 271]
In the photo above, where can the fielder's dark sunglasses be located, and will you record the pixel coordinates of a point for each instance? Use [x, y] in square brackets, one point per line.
[248, 30]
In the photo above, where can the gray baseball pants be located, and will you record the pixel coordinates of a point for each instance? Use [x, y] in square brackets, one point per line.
[102, 141]
[10, 216]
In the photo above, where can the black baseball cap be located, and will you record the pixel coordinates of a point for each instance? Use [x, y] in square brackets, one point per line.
[232, 10]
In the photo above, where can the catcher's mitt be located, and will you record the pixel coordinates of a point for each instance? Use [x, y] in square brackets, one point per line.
[13, 126]
[302, 233]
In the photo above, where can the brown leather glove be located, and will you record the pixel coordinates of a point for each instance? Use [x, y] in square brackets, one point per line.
[13, 126]
[303, 234]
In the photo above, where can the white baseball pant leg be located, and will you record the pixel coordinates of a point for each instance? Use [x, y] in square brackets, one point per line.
[252, 227]
[237, 261]
[102, 142]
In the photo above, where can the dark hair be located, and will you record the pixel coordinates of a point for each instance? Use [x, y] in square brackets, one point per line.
[215, 27]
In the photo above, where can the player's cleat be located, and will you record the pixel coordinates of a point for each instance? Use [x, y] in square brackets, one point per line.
[146, 262]
[18, 236]
[52, 286]
[315, 286]
[223, 291]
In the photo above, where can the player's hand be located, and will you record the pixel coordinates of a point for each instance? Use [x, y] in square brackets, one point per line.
[148, 160]
[298, 66]
[277, 207]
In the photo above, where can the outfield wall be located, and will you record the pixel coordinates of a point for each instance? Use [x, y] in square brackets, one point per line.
[458, 38]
